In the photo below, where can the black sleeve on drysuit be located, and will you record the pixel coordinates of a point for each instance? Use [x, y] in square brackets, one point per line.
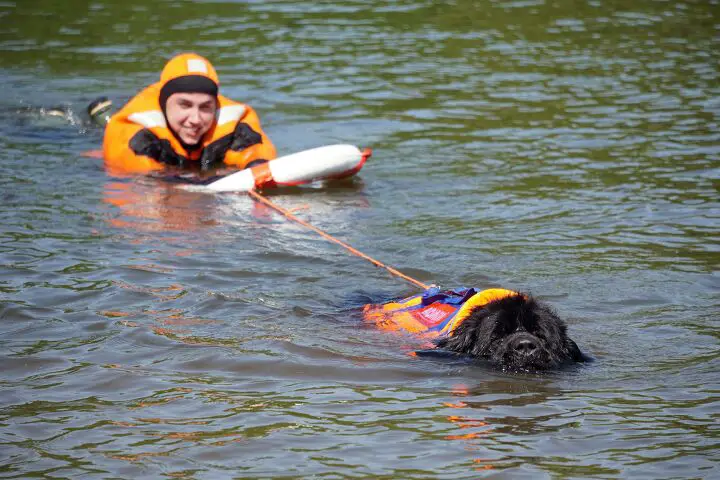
[241, 138]
[146, 143]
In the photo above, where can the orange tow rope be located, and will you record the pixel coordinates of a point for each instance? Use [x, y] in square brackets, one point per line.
[327, 236]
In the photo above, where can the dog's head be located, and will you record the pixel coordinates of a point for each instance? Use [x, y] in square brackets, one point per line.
[515, 333]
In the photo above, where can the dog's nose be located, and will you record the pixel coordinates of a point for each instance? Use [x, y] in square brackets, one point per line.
[525, 347]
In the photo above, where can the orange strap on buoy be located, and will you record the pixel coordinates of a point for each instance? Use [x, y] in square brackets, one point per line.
[263, 176]
[327, 236]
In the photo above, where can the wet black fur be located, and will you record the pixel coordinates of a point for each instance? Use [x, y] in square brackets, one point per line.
[516, 333]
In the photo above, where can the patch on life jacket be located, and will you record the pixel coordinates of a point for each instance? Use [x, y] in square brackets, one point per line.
[434, 314]
[196, 65]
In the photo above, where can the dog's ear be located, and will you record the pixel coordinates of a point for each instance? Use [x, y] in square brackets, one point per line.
[547, 317]
[576, 353]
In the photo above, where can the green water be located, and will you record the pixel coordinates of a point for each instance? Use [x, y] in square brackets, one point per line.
[568, 149]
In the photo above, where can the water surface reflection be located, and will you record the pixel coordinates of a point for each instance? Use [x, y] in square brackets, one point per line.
[566, 149]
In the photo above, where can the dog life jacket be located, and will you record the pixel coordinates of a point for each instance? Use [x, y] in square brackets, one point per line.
[219, 146]
[434, 312]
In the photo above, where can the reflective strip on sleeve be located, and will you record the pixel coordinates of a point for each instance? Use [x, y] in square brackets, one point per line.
[232, 113]
[149, 119]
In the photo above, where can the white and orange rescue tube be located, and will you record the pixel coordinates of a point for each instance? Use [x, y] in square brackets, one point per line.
[322, 163]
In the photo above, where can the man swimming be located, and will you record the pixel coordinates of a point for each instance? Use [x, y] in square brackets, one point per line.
[183, 122]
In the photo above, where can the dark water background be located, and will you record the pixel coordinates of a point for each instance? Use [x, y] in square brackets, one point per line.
[570, 149]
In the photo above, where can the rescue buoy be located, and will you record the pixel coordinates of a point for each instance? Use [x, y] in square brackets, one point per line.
[322, 163]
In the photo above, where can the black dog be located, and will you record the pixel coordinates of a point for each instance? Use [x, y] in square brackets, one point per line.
[511, 330]
[515, 333]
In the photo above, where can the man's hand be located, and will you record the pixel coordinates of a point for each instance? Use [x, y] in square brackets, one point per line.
[243, 137]
[147, 143]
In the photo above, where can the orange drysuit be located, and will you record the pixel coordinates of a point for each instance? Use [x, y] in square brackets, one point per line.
[139, 140]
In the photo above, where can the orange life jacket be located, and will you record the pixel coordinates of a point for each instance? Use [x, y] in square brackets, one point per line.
[144, 112]
[434, 312]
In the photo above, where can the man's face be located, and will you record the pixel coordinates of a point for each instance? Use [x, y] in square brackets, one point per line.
[190, 115]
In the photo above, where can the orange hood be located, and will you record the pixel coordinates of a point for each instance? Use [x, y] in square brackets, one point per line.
[188, 64]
